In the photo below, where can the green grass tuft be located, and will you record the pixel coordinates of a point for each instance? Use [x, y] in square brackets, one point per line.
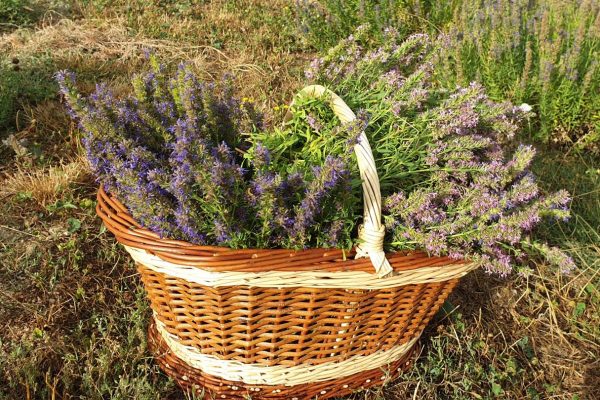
[25, 80]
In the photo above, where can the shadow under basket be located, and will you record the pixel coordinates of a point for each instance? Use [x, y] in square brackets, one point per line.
[284, 324]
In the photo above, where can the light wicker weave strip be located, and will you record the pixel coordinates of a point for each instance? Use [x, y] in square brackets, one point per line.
[196, 380]
[312, 279]
[258, 374]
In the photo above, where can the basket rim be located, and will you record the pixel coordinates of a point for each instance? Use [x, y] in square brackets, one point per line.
[129, 232]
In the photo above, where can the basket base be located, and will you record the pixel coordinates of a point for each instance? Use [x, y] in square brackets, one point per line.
[194, 380]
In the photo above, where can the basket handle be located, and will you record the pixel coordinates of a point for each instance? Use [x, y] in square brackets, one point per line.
[371, 233]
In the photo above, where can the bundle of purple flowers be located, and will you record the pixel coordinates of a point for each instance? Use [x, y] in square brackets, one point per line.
[449, 187]
[192, 162]
[177, 154]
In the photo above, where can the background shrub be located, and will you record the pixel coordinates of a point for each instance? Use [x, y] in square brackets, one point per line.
[323, 23]
[544, 53]
[540, 52]
[14, 11]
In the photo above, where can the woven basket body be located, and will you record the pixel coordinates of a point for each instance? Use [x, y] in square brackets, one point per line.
[332, 340]
[283, 324]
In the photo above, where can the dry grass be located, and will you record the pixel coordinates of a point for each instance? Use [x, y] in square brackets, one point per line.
[512, 339]
[547, 311]
[105, 41]
[107, 48]
[45, 185]
[98, 46]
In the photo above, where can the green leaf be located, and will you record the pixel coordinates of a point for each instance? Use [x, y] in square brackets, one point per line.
[526, 347]
[22, 196]
[87, 203]
[496, 389]
[512, 366]
[533, 394]
[38, 333]
[447, 308]
[579, 309]
[60, 205]
[590, 288]
[73, 225]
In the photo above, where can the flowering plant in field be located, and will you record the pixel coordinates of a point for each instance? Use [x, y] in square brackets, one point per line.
[542, 52]
[193, 162]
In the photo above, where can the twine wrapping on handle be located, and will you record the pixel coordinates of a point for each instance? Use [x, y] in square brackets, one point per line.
[371, 233]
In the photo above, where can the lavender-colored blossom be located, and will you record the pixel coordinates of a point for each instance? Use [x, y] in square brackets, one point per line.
[522, 191]
[355, 129]
[435, 243]
[154, 155]
[394, 203]
[222, 232]
[485, 203]
[262, 156]
[311, 71]
[262, 184]
[313, 123]
[333, 233]
[333, 173]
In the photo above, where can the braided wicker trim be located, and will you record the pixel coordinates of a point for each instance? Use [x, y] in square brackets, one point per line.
[312, 279]
[258, 374]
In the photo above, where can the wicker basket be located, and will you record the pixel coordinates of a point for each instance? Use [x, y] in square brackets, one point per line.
[283, 324]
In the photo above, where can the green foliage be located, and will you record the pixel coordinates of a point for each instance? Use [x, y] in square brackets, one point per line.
[323, 23]
[20, 13]
[580, 175]
[448, 184]
[171, 153]
[474, 365]
[544, 53]
[24, 81]
[106, 357]
[82, 315]
[15, 11]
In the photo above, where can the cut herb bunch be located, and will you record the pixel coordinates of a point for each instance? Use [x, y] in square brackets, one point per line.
[193, 162]
[182, 155]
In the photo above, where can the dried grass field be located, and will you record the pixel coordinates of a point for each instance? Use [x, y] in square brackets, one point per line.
[73, 313]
